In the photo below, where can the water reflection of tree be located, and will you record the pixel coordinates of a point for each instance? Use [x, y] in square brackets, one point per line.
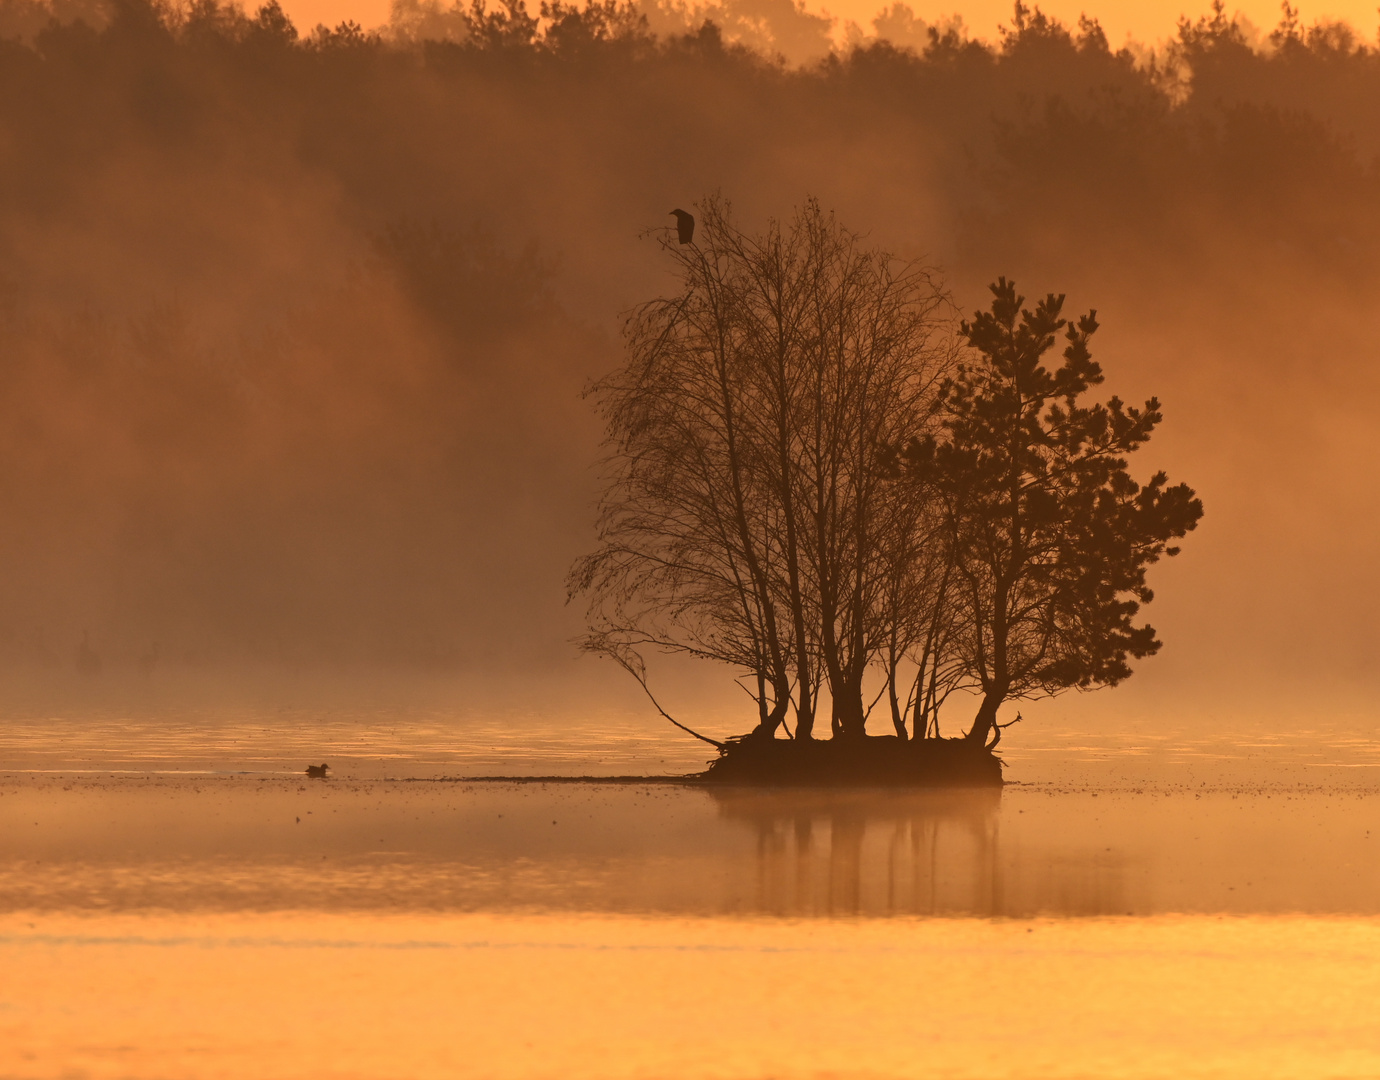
[853, 852]
[870, 852]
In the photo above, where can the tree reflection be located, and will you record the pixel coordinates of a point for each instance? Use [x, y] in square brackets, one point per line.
[869, 852]
[855, 852]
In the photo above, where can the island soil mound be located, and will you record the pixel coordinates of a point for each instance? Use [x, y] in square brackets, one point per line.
[879, 759]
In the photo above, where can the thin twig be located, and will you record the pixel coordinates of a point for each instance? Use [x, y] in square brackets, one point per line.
[637, 671]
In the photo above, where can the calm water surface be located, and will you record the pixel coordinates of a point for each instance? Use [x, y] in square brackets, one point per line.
[173, 903]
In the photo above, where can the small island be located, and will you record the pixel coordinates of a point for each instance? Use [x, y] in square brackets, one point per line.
[823, 481]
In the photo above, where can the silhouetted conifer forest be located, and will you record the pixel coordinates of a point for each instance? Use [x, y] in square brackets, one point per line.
[294, 324]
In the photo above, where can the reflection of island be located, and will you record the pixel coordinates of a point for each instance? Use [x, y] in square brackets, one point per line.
[860, 852]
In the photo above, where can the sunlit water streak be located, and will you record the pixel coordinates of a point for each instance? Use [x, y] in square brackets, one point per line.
[431, 741]
[595, 996]
[404, 744]
[1137, 904]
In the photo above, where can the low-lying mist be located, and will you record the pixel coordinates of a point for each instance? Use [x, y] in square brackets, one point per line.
[293, 329]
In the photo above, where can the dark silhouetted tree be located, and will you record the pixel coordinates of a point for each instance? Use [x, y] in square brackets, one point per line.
[749, 519]
[1048, 534]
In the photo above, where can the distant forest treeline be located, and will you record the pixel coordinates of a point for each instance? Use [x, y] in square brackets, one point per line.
[1047, 135]
[293, 324]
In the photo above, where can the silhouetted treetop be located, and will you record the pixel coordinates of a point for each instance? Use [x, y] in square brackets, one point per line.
[1049, 535]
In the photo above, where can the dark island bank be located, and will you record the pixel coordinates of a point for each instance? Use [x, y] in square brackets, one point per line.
[871, 760]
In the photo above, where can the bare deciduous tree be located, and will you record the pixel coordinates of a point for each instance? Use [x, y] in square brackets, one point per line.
[751, 517]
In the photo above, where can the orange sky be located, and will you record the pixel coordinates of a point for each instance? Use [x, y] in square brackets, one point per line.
[1145, 20]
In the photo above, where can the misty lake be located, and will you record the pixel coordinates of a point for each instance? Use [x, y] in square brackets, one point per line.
[177, 900]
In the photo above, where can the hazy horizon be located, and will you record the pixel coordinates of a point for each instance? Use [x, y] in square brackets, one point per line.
[296, 345]
[1146, 24]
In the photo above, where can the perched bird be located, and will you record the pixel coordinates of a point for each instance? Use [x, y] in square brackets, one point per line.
[318, 772]
[685, 226]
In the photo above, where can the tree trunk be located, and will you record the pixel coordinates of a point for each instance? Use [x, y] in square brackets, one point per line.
[986, 716]
[766, 729]
[898, 718]
[848, 706]
[805, 712]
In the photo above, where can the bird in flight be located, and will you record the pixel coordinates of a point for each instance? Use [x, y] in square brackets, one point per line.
[685, 226]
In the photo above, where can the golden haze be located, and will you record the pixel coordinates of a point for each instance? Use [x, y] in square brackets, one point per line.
[1147, 23]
